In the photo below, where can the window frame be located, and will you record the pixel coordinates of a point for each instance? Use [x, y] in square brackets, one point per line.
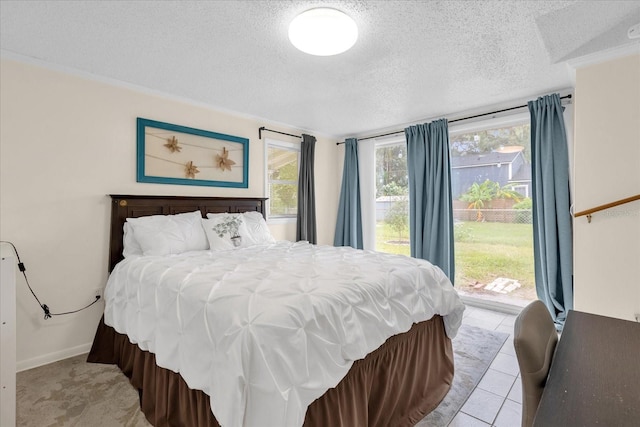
[380, 143]
[282, 145]
[478, 125]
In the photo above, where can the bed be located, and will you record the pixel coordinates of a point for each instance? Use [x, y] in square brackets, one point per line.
[395, 383]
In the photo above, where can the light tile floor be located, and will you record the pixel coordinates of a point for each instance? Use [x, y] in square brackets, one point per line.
[497, 399]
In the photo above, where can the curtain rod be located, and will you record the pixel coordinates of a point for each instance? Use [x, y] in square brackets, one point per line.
[274, 131]
[456, 120]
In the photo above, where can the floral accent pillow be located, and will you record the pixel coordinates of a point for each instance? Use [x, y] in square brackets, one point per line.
[252, 231]
[225, 231]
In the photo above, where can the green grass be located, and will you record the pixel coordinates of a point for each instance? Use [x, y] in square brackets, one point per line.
[484, 251]
[387, 240]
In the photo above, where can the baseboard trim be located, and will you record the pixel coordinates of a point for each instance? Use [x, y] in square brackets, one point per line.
[45, 359]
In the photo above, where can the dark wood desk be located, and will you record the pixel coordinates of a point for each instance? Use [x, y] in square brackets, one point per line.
[595, 374]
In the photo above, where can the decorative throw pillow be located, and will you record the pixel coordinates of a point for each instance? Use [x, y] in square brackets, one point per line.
[225, 231]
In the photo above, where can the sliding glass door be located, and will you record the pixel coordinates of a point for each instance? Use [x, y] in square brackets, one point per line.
[491, 187]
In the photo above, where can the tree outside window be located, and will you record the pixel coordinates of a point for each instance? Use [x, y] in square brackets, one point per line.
[282, 177]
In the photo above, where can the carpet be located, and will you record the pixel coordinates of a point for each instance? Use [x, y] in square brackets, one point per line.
[72, 392]
[473, 351]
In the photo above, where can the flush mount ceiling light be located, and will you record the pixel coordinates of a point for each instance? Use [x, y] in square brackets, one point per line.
[323, 32]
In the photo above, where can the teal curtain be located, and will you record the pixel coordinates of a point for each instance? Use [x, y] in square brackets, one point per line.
[552, 225]
[349, 223]
[430, 204]
[306, 218]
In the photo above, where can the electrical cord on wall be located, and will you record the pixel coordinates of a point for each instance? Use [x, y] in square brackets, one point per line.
[47, 312]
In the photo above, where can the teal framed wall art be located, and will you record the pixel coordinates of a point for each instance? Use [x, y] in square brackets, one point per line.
[173, 154]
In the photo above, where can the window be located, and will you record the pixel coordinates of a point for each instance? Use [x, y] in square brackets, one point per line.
[490, 181]
[522, 189]
[392, 198]
[282, 160]
[491, 189]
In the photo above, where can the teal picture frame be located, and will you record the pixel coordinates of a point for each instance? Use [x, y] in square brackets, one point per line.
[172, 154]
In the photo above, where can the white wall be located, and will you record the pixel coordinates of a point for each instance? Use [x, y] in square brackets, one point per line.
[606, 169]
[66, 142]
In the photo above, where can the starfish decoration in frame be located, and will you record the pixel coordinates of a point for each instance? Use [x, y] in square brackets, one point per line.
[223, 161]
[172, 144]
[191, 170]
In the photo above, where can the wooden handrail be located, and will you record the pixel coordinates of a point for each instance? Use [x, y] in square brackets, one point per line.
[588, 212]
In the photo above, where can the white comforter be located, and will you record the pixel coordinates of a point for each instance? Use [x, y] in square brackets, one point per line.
[266, 330]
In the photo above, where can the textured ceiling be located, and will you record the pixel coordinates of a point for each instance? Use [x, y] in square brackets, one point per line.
[414, 60]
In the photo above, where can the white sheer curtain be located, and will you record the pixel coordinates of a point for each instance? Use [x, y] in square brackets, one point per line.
[367, 173]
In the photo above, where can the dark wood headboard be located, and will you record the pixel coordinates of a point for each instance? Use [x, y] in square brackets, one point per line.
[123, 207]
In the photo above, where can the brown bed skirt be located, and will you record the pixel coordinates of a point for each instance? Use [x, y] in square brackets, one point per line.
[395, 385]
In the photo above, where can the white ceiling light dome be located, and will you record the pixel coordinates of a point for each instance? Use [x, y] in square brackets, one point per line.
[323, 32]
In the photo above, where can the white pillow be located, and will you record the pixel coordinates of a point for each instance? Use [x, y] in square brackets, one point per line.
[225, 230]
[131, 247]
[257, 228]
[169, 234]
[251, 227]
